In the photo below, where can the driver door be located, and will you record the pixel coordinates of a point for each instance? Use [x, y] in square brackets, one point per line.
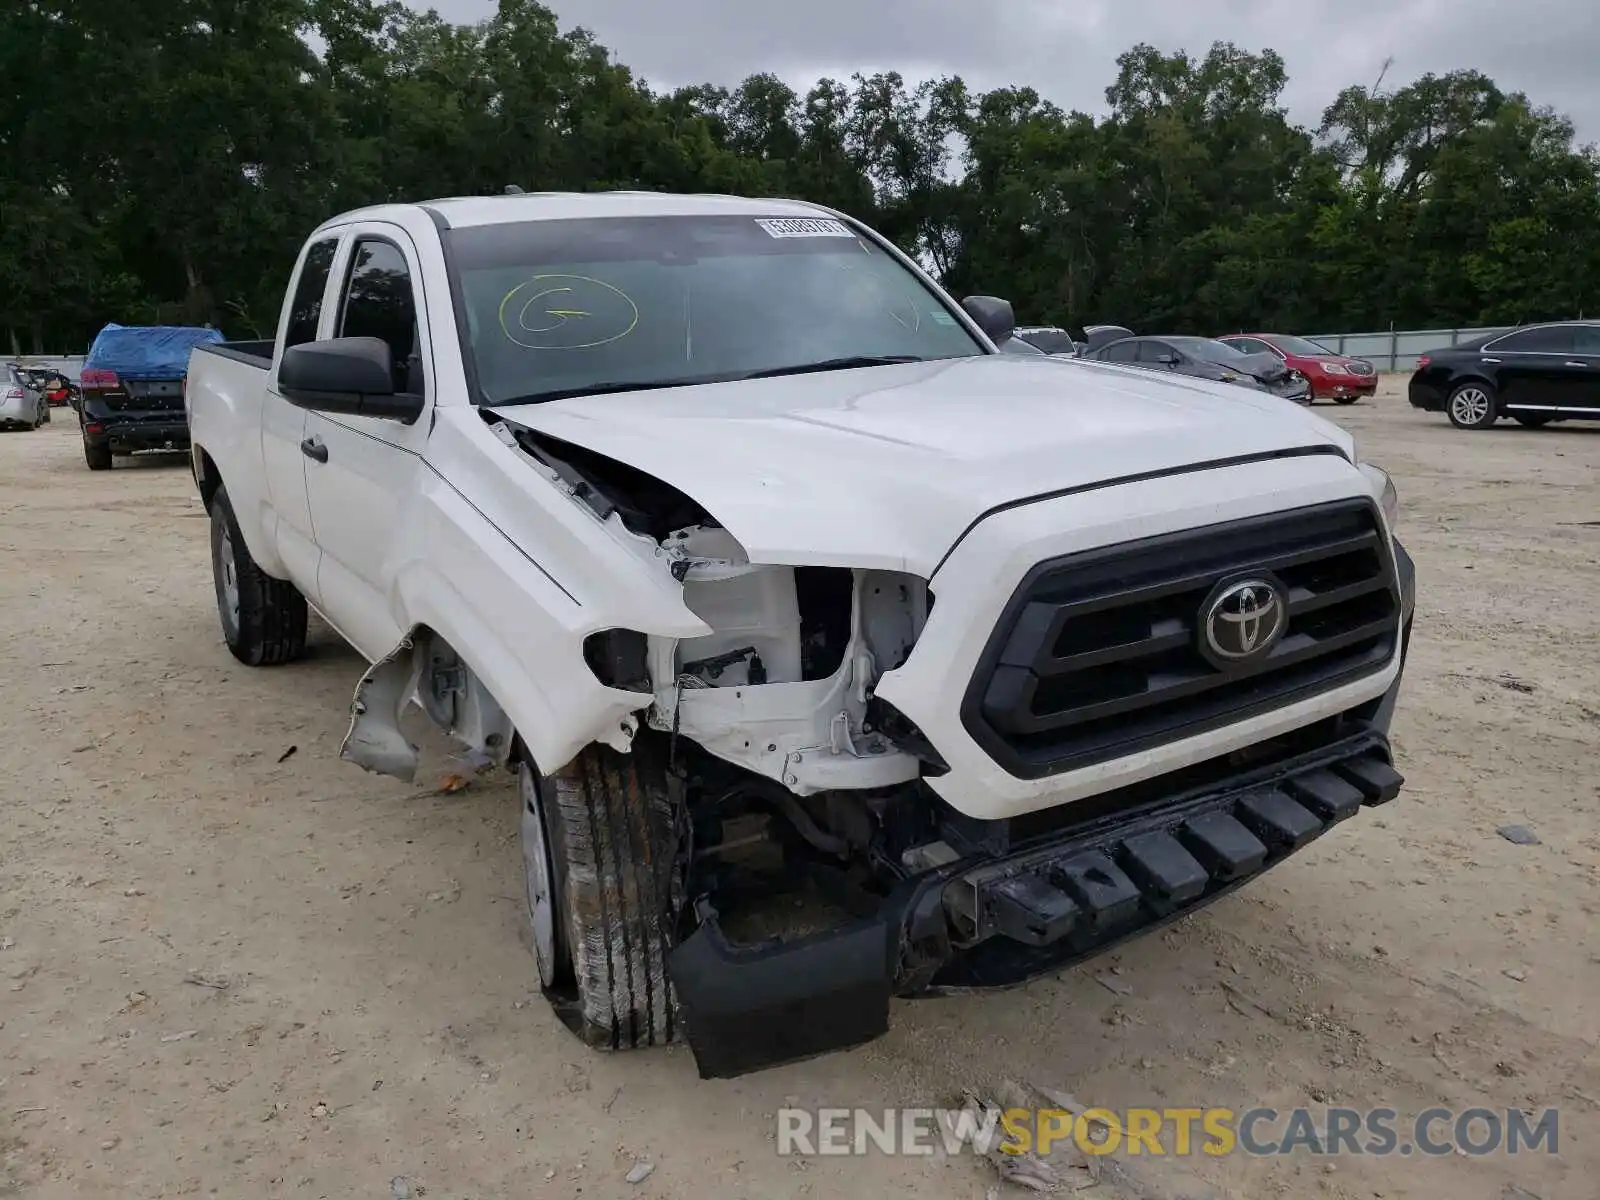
[364, 475]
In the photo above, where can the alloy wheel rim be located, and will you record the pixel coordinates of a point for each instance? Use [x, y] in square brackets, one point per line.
[230, 580]
[1471, 405]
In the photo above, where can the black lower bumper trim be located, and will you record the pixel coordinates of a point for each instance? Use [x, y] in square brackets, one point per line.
[999, 921]
[746, 1008]
[1278, 821]
[1226, 849]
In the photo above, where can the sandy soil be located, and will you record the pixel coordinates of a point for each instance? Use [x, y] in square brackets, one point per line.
[231, 965]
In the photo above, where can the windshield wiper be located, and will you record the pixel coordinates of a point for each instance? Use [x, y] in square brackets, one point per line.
[835, 364]
[600, 389]
[636, 385]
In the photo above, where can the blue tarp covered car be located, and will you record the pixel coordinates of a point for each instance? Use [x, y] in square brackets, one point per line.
[147, 351]
[132, 384]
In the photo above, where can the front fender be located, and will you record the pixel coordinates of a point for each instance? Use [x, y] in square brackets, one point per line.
[519, 625]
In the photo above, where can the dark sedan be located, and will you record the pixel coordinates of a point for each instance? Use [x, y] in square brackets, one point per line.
[1207, 358]
[1534, 375]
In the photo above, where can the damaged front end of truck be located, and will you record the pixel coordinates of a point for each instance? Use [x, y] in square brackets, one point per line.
[818, 869]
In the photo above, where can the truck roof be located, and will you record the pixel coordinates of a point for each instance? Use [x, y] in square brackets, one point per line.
[464, 211]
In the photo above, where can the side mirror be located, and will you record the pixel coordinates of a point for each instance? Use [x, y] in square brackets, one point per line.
[353, 375]
[1168, 360]
[993, 315]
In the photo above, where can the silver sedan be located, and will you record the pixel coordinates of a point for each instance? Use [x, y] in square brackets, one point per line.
[21, 406]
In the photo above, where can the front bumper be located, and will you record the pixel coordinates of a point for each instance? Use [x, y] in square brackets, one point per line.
[994, 920]
[1357, 386]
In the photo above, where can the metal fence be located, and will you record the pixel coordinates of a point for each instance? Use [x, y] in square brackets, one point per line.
[67, 364]
[1397, 349]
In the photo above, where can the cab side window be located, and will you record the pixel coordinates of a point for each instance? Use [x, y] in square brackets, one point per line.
[379, 302]
[306, 309]
[1124, 351]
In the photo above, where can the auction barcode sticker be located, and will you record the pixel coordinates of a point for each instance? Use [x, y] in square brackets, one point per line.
[793, 227]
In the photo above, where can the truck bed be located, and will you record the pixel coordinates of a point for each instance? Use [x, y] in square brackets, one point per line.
[257, 354]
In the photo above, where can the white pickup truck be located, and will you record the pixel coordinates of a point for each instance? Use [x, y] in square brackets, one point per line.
[838, 656]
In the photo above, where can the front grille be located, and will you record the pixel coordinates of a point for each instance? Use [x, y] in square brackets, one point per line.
[1099, 654]
[1362, 368]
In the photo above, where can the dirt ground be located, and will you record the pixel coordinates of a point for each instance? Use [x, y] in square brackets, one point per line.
[231, 965]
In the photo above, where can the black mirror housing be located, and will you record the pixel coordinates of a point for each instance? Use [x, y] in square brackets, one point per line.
[993, 315]
[352, 375]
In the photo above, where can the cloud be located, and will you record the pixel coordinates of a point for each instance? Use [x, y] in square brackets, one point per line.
[1066, 49]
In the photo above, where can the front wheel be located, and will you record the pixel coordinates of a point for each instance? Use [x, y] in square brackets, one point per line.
[1345, 399]
[263, 619]
[1472, 406]
[599, 863]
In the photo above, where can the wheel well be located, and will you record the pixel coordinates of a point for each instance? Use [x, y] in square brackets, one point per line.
[206, 476]
[1463, 381]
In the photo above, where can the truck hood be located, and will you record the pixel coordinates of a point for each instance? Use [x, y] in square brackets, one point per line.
[886, 467]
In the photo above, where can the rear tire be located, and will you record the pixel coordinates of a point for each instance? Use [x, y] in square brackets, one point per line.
[98, 457]
[599, 860]
[263, 619]
[1532, 420]
[1473, 405]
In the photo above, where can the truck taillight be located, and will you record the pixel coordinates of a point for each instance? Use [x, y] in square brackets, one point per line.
[97, 377]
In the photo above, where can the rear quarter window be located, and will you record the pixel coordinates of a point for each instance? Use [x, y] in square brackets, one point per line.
[305, 311]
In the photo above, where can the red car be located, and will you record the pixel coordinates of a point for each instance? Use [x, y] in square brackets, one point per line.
[1336, 377]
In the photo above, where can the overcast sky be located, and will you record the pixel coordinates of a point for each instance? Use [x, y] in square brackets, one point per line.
[1066, 49]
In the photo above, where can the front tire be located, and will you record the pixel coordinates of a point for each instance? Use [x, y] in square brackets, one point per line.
[1473, 406]
[1345, 399]
[599, 862]
[263, 619]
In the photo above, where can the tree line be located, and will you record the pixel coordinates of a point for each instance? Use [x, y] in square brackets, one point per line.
[162, 161]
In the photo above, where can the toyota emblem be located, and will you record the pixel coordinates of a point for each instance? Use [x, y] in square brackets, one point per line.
[1242, 621]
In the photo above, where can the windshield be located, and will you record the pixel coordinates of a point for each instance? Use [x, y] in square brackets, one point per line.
[1206, 349]
[1302, 347]
[572, 307]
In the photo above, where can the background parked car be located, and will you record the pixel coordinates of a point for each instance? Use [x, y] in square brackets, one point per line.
[1051, 339]
[1015, 344]
[132, 384]
[1097, 337]
[1331, 375]
[1535, 375]
[21, 406]
[1207, 358]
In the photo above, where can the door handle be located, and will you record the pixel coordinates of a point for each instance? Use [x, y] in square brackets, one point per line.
[313, 448]
[1570, 363]
[1491, 360]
